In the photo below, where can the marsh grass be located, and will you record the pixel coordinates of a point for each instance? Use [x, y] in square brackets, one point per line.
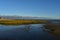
[20, 22]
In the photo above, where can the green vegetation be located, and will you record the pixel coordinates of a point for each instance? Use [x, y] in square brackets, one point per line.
[20, 22]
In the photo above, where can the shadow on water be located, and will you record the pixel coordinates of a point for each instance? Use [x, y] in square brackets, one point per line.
[24, 32]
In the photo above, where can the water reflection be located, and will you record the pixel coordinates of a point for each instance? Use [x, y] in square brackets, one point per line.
[27, 28]
[25, 32]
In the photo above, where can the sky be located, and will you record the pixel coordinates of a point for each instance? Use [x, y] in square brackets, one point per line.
[37, 8]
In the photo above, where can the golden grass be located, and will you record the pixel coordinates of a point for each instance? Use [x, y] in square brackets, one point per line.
[18, 22]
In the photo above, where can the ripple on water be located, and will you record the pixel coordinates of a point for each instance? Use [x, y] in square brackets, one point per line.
[32, 31]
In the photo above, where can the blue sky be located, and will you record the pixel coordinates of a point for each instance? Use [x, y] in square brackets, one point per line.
[39, 8]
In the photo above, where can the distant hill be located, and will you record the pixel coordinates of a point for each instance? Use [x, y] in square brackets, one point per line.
[25, 17]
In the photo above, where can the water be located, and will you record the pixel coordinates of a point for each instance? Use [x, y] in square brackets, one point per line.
[24, 32]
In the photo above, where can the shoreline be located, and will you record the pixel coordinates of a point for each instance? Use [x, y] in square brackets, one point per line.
[53, 29]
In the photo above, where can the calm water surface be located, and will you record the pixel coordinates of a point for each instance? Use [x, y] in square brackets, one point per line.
[24, 32]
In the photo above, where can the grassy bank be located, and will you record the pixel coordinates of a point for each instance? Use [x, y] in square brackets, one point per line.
[20, 22]
[54, 28]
